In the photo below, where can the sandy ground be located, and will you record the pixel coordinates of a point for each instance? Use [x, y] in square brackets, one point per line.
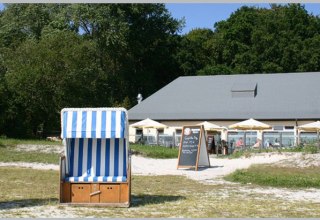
[218, 168]
[37, 166]
[40, 148]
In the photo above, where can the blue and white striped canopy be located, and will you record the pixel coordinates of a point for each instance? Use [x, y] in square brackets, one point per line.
[93, 123]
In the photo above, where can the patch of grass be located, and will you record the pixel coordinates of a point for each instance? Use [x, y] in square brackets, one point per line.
[152, 196]
[268, 175]
[155, 151]
[26, 187]
[5, 142]
[8, 154]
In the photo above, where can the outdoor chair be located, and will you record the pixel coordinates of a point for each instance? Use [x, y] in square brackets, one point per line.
[95, 169]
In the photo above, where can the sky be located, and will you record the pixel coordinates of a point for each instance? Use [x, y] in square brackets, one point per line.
[205, 15]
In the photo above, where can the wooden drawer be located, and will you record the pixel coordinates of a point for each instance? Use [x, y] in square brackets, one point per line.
[110, 193]
[80, 193]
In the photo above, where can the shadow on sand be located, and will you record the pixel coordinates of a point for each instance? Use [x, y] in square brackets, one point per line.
[143, 199]
[26, 203]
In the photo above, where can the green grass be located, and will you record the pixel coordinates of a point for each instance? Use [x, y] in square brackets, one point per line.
[308, 149]
[8, 154]
[28, 186]
[268, 175]
[152, 197]
[4, 142]
[155, 151]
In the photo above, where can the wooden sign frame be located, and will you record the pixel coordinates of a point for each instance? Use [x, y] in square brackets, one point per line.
[202, 143]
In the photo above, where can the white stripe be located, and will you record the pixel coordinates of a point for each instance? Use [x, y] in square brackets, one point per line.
[118, 124]
[81, 179]
[120, 166]
[94, 157]
[71, 179]
[111, 163]
[69, 124]
[98, 124]
[85, 157]
[100, 178]
[79, 124]
[90, 179]
[76, 157]
[103, 157]
[119, 178]
[109, 178]
[108, 129]
[88, 125]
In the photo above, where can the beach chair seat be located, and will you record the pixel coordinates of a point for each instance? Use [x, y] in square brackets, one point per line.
[96, 179]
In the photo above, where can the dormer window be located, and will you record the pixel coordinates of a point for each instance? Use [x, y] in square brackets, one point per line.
[243, 90]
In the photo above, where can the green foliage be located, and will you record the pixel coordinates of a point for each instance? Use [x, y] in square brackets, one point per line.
[91, 55]
[268, 175]
[311, 149]
[54, 56]
[155, 151]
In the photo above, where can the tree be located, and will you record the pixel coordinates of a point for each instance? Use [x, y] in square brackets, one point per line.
[80, 55]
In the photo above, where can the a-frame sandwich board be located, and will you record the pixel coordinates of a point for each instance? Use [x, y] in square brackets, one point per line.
[193, 148]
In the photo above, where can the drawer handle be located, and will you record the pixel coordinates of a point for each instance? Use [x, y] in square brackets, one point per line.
[95, 193]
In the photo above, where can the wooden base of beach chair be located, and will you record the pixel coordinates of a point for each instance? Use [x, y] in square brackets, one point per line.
[95, 194]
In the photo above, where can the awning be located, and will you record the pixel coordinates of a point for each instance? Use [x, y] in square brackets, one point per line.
[93, 123]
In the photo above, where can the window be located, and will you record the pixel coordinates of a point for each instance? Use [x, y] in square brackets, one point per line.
[241, 90]
[288, 127]
[278, 128]
[308, 137]
[178, 131]
[139, 131]
[161, 131]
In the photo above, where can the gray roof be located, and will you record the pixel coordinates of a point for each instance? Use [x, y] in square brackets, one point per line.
[277, 96]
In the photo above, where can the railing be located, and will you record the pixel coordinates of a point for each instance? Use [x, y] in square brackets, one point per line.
[162, 140]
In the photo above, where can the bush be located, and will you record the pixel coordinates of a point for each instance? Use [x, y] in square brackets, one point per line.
[311, 149]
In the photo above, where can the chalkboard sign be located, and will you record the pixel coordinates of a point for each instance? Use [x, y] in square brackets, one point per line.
[191, 144]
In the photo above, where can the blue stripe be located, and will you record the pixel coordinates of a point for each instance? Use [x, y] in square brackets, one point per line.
[123, 124]
[89, 165]
[93, 124]
[74, 124]
[104, 179]
[86, 179]
[114, 179]
[113, 124]
[107, 160]
[84, 124]
[76, 179]
[98, 158]
[80, 158]
[103, 124]
[124, 158]
[72, 157]
[95, 179]
[116, 157]
[65, 121]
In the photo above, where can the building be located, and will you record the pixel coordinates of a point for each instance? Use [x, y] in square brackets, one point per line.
[283, 100]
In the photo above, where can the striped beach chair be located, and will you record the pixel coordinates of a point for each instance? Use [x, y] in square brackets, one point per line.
[96, 166]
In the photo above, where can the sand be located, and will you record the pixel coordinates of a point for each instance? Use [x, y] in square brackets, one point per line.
[218, 168]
